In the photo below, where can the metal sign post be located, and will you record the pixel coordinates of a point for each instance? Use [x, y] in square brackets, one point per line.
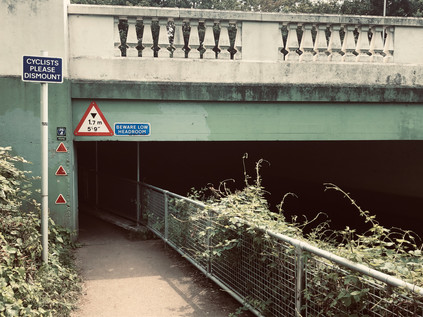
[44, 167]
[43, 69]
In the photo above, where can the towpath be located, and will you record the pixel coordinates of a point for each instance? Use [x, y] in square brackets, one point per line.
[125, 277]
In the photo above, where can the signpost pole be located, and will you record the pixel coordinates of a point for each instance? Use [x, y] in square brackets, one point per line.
[44, 167]
[44, 69]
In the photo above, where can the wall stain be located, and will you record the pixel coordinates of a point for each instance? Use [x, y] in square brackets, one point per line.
[398, 79]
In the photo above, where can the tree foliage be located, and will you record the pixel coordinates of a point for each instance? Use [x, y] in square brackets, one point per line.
[405, 8]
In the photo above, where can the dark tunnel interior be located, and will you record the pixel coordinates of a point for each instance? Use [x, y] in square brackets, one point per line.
[383, 177]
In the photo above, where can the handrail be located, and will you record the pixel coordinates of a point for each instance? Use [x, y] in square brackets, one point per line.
[380, 276]
[198, 203]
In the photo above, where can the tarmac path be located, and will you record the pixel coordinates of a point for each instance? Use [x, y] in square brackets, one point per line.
[124, 278]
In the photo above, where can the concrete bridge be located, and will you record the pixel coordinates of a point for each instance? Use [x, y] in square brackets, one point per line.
[333, 97]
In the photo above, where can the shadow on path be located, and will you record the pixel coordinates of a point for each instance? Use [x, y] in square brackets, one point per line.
[125, 277]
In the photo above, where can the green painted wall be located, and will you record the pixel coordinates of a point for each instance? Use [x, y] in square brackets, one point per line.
[250, 121]
[201, 111]
[21, 129]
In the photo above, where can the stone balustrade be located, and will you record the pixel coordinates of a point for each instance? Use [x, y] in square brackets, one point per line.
[216, 39]
[187, 45]
[206, 34]
[177, 38]
[339, 43]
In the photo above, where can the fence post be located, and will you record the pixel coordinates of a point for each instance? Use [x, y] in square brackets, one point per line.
[138, 186]
[166, 215]
[300, 282]
[96, 178]
[209, 260]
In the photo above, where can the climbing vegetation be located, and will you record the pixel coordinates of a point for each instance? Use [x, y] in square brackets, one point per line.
[236, 231]
[29, 287]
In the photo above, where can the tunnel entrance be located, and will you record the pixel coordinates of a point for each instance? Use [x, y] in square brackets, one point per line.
[384, 177]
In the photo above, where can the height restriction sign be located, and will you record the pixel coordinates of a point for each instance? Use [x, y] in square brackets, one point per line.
[93, 123]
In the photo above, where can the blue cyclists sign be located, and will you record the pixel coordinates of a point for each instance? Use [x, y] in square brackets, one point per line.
[42, 69]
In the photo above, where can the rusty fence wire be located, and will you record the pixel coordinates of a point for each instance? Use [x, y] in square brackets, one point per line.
[277, 276]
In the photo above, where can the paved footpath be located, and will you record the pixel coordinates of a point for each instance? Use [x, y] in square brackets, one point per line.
[124, 277]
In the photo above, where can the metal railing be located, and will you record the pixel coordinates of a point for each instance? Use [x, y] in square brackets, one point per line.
[279, 276]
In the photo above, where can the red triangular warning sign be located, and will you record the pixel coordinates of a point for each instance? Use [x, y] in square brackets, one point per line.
[61, 171]
[61, 148]
[60, 200]
[93, 122]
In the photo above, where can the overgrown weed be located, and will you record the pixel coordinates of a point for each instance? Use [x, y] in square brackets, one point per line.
[243, 215]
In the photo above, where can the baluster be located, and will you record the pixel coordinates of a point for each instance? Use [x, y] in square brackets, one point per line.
[132, 38]
[178, 40]
[116, 38]
[170, 28]
[139, 28]
[238, 42]
[224, 42]
[321, 44]
[363, 45]
[123, 35]
[186, 31]
[232, 32]
[376, 44]
[306, 46]
[388, 49]
[194, 39]
[216, 35]
[209, 40]
[148, 36]
[292, 43]
[284, 34]
[155, 32]
[163, 39]
[348, 47]
[201, 35]
[334, 46]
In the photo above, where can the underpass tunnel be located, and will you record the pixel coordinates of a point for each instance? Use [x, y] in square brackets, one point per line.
[383, 177]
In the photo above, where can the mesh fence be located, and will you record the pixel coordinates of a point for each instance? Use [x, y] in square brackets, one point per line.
[334, 291]
[271, 276]
[153, 206]
[188, 236]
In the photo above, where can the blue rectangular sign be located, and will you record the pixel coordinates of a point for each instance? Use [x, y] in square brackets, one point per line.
[132, 129]
[42, 69]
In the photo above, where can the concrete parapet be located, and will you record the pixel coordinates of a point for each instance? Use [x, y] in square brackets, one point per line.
[253, 38]
[245, 72]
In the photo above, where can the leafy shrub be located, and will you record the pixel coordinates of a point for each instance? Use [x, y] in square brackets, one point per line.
[242, 216]
[29, 287]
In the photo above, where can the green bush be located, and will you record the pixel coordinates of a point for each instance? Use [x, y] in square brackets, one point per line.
[29, 287]
[237, 219]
